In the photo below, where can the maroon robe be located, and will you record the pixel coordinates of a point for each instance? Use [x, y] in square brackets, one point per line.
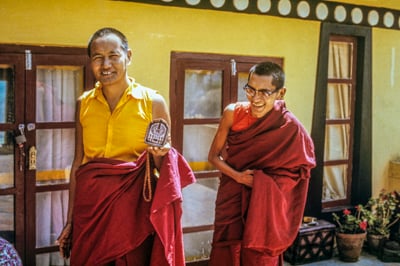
[111, 217]
[254, 226]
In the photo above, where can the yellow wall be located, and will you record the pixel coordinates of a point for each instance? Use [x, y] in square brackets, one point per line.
[155, 31]
[385, 104]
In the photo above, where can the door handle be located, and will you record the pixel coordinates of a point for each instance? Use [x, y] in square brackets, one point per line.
[32, 158]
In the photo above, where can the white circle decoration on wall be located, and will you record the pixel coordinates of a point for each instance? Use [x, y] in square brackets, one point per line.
[322, 11]
[264, 5]
[284, 7]
[388, 19]
[241, 4]
[303, 9]
[340, 13]
[356, 15]
[193, 2]
[373, 17]
[217, 3]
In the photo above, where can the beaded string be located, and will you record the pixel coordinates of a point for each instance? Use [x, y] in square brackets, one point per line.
[147, 181]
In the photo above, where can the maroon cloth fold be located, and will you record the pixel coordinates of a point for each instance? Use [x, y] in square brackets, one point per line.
[264, 220]
[111, 218]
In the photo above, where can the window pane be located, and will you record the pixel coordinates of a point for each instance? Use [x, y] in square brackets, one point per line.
[338, 104]
[337, 142]
[242, 80]
[203, 92]
[334, 183]
[6, 159]
[197, 245]
[198, 209]
[199, 202]
[51, 259]
[6, 95]
[57, 88]
[51, 215]
[340, 60]
[7, 230]
[196, 144]
[55, 151]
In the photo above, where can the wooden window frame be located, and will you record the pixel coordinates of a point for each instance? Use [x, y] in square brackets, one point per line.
[350, 121]
[362, 146]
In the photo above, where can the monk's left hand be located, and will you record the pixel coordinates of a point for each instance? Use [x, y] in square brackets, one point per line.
[159, 151]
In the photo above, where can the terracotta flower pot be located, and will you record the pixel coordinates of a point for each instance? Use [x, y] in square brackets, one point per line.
[350, 246]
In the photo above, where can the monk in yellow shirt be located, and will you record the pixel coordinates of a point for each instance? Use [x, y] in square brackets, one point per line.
[115, 215]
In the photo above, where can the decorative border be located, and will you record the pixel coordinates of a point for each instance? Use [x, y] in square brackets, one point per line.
[301, 9]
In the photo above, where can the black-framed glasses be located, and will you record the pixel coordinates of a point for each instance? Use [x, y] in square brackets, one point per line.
[250, 91]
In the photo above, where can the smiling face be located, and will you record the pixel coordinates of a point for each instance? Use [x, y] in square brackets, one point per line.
[109, 61]
[261, 103]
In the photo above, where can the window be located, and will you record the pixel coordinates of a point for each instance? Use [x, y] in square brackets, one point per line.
[341, 127]
[201, 86]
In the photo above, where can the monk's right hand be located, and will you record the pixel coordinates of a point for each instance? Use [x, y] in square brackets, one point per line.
[64, 241]
[245, 178]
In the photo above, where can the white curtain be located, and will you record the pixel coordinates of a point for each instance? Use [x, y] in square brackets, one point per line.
[57, 89]
[337, 107]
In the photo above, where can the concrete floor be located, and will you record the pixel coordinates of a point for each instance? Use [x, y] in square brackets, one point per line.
[366, 259]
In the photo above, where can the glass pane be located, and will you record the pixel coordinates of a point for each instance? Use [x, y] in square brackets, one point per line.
[338, 104]
[197, 245]
[334, 183]
[242, 80]
[55, 152]
[7, 230]
[50, 259]
[340, 60]
[7, 101]
[199, 202]
[196, 144]
[51, 215]
[337, 142]
[203, 90]
[6, 159]
[57, 88]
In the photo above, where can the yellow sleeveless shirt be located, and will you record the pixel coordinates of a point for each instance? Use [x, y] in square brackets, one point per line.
[120, 134]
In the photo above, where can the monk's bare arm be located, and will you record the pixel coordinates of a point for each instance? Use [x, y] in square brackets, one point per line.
[160, 111]
[64, 240]
[217, 146]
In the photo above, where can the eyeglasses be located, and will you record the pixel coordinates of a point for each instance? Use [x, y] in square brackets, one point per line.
[250, 91]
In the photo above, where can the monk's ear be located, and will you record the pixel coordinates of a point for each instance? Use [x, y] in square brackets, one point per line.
[281, 94]
[128, 57]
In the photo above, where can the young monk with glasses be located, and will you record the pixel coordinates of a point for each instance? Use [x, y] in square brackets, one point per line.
[265, 156]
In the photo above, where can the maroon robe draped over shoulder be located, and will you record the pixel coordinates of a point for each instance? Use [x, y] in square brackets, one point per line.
[111, 217]
[254, 226]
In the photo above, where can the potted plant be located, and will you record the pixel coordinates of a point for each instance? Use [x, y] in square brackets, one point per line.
[381, 213]
[351, 231]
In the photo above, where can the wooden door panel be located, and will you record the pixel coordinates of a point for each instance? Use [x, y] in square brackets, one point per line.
[12, 189]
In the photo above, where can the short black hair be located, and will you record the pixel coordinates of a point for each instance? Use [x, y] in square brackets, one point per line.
[269, 69]
[105, 31]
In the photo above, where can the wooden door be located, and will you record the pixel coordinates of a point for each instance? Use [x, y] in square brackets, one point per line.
[41, 96]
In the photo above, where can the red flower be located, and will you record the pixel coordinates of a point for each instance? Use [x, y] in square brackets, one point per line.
[363, 225]
[346, 212]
